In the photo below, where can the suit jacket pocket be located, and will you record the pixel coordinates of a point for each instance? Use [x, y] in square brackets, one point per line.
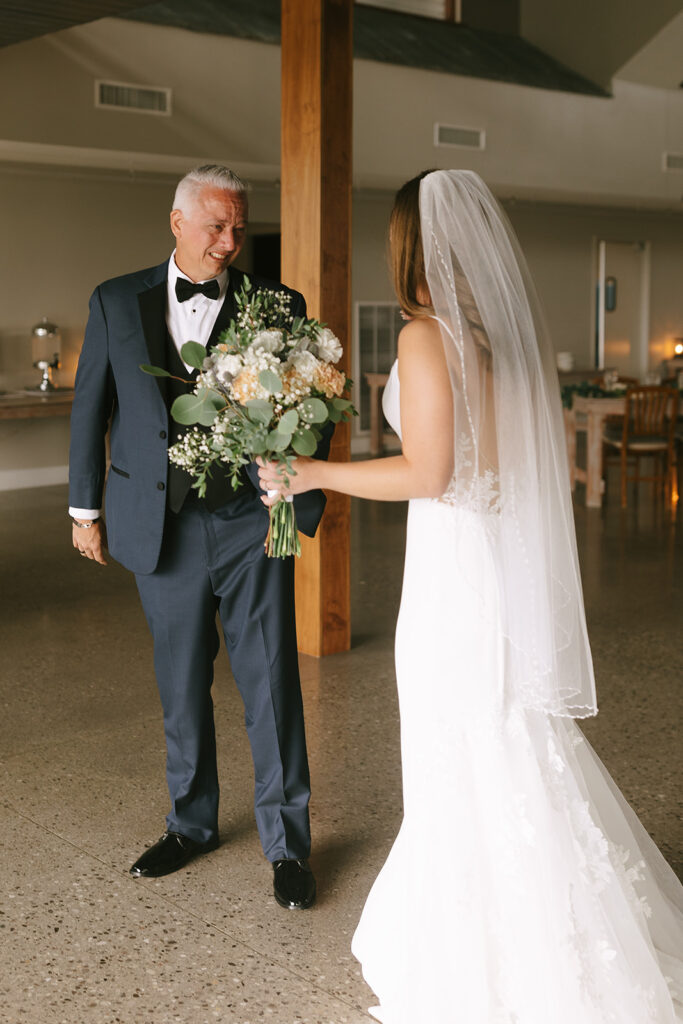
[121, 472]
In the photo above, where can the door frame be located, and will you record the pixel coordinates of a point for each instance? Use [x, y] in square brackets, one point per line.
[642, 359]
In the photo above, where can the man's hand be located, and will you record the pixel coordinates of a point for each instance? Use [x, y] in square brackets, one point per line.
[91, 543]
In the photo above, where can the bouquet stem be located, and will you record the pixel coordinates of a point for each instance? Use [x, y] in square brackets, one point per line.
[283, 536]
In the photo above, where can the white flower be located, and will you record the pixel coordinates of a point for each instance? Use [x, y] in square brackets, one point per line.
[304, 363]
[270, 340]
[227, 366]
[258, 359]
[329, 346]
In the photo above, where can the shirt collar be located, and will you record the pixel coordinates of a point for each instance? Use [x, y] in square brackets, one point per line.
[174, 272]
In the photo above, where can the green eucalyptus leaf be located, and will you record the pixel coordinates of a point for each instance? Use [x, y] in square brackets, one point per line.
[259, 411]
[187, 409]
[341, 403]
[270, 381]
[200, 408]
[313, 410]
[335, 415]
[154, 371]
[304, 443]
[290, 421]
[259, 445]
[193, 354]
[278, 440]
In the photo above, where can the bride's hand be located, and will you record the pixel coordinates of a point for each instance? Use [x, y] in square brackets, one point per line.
[272, 478]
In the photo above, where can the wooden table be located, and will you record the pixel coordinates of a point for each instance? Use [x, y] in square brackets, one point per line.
[376, 383]
[596, 410]
[18, 405]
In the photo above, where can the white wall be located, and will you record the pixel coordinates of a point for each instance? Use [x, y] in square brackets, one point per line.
[560, 245]
[222, 89]
[559, 242]
[540, 143]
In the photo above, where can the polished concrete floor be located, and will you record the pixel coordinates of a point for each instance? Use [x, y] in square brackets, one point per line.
[83, 786]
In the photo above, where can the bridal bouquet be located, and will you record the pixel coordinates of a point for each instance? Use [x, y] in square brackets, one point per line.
[267, 389]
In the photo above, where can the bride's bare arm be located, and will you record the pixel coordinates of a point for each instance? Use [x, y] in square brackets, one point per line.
[424, 468]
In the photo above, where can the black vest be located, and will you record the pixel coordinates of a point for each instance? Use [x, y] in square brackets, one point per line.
[219, 489]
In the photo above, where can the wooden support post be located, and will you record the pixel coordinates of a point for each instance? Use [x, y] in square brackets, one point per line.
[317, 69]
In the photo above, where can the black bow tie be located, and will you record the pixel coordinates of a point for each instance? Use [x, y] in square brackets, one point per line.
[186, 289]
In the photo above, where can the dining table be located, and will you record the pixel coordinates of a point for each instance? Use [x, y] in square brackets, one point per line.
[595, 409]
[30, 405]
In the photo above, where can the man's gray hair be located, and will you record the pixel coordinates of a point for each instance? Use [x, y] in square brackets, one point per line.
[198, 178]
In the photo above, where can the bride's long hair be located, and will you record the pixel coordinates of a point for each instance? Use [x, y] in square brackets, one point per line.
[406, 258]
[406, 262]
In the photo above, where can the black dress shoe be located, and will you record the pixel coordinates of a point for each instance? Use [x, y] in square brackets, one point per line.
[293, 884]
[169, 853]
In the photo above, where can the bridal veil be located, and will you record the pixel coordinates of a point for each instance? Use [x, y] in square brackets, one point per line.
[510, 455]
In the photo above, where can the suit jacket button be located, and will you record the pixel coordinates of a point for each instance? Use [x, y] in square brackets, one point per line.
[161, 486]
[162, 434]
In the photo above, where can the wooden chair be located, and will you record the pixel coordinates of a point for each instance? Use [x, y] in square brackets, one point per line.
[648, 428]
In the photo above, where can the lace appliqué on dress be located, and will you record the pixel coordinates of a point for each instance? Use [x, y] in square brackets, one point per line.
[476, 493]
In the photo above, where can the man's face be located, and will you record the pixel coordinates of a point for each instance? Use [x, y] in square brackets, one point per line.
[210, 235]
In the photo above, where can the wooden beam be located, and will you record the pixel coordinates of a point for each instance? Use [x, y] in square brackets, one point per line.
[317, 70]
[453, 10]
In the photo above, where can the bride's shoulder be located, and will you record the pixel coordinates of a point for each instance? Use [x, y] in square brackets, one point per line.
[420, 338]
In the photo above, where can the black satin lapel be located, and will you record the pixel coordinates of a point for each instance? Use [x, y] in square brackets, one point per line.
[152, 304]
[226, 313]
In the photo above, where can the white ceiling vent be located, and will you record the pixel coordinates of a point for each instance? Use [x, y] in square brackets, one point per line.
[672, 161]
[138, 99]
[456, 135]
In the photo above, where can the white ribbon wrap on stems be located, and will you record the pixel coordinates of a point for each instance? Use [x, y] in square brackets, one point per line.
[274, 494]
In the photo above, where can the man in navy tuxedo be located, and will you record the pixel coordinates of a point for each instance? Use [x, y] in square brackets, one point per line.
[193, 557]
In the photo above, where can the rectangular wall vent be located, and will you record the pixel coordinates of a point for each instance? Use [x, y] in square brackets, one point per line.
[139, 99]
[454, 135]
[672, 161]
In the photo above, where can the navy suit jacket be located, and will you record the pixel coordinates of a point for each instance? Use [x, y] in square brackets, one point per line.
[127, 327]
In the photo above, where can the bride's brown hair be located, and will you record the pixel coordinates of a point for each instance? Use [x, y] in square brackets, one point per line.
[406, 259]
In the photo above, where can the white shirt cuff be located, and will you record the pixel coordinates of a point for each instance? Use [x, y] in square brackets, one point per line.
[85, 513]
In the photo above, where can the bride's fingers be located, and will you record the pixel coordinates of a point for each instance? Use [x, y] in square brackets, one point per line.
[271, 476]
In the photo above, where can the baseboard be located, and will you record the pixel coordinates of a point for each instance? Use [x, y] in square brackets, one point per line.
[40, 476]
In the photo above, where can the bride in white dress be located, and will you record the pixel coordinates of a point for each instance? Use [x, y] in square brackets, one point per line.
[521, 888]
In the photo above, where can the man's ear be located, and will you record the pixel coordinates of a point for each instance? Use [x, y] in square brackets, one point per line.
[176, 222]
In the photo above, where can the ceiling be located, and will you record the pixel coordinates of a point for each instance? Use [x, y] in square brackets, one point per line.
[660, 61]
[390, 36]
[650, 56]
[26, 19]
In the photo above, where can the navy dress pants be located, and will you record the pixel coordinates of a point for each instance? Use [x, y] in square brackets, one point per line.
[214, 562]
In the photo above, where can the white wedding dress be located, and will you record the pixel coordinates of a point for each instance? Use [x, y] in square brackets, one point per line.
[521, 888]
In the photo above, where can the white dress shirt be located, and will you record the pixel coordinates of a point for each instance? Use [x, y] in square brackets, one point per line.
[191, 320]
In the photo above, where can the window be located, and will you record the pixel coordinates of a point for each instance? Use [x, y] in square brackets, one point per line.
[377, 325]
